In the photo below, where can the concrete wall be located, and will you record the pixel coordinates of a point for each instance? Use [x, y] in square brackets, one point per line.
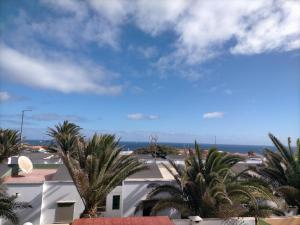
[53, 192]
[135, 191]
[31, 193]
[109, 200]
[232, 221]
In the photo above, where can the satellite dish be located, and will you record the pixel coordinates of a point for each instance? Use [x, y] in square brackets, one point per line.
[25, 164]
[27, 223]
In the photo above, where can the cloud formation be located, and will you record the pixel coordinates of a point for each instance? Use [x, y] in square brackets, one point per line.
[58, 74]
[203, 29]
[56, 117]
[4, 96]
[213, 115]
[141, 116]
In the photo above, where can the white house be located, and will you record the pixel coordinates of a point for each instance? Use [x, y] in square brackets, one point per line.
[54, 199]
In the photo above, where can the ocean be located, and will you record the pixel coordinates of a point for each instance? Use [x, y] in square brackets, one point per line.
[131, 146]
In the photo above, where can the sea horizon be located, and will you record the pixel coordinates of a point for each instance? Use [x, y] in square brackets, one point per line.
[133, 145]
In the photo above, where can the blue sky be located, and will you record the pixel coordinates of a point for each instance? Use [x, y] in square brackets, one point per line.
[183, 70]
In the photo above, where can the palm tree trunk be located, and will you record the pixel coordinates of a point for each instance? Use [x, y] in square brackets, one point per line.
[256, 219]
[89, 212]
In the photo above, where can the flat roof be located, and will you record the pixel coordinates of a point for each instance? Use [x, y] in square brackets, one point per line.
[4, 168]
[62, 174]
[152, 172]
[168, 157]
[36, 176]
[38, 155]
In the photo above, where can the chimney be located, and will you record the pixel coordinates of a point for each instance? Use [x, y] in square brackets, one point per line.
[13, 163]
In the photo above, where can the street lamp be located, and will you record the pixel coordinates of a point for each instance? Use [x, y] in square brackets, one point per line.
[23, 111]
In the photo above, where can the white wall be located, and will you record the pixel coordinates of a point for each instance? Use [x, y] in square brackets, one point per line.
[54, 191]
[135, 191]
[109, 199]
[31, 193]
[215, 221]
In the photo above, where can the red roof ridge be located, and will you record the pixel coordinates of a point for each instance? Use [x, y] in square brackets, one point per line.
[136, 220]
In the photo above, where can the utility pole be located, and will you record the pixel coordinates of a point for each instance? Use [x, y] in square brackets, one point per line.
[23, 111]
[215, 140]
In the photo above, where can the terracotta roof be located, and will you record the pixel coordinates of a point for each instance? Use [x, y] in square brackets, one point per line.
[292, 220]
[36, 176]
[148, 220]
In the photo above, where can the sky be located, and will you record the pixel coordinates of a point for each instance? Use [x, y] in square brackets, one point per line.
[183, 70]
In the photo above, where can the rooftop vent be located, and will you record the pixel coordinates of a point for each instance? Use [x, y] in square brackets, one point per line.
[195, 220]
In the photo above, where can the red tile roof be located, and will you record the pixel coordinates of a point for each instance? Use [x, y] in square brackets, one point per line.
[148, 220]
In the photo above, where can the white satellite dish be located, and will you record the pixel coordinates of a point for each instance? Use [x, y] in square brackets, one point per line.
[25, 164]
[27, 223]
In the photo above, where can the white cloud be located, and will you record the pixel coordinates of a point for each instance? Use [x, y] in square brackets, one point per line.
[76, 24]
[274, 28]
[213, 115]
[56, 117]
[55, 74]
[156, 16]
[4, 96]
[141, 116]
[115, 11]
[203, 29]
[146, 51]
[256, 26]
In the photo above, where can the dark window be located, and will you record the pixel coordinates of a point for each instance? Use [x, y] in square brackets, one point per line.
[64, 212]
[147, 211]
[116, 202]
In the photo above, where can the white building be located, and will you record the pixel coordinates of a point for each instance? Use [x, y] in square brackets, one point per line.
[54, 198]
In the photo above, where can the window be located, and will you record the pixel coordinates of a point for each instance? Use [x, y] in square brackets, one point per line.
[64, 212]
[116, 202]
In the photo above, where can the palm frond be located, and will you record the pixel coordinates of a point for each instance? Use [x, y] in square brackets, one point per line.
[95, 165]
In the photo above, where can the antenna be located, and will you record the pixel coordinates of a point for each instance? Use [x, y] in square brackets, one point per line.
[153, 143]
[25, 164]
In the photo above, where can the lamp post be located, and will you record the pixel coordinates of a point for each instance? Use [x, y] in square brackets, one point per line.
[23, 111]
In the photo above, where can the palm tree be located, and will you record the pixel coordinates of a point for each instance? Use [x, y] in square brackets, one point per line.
[208, 188]
[282, 169]
[95, 165]
[8, 205]
[10, 143]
